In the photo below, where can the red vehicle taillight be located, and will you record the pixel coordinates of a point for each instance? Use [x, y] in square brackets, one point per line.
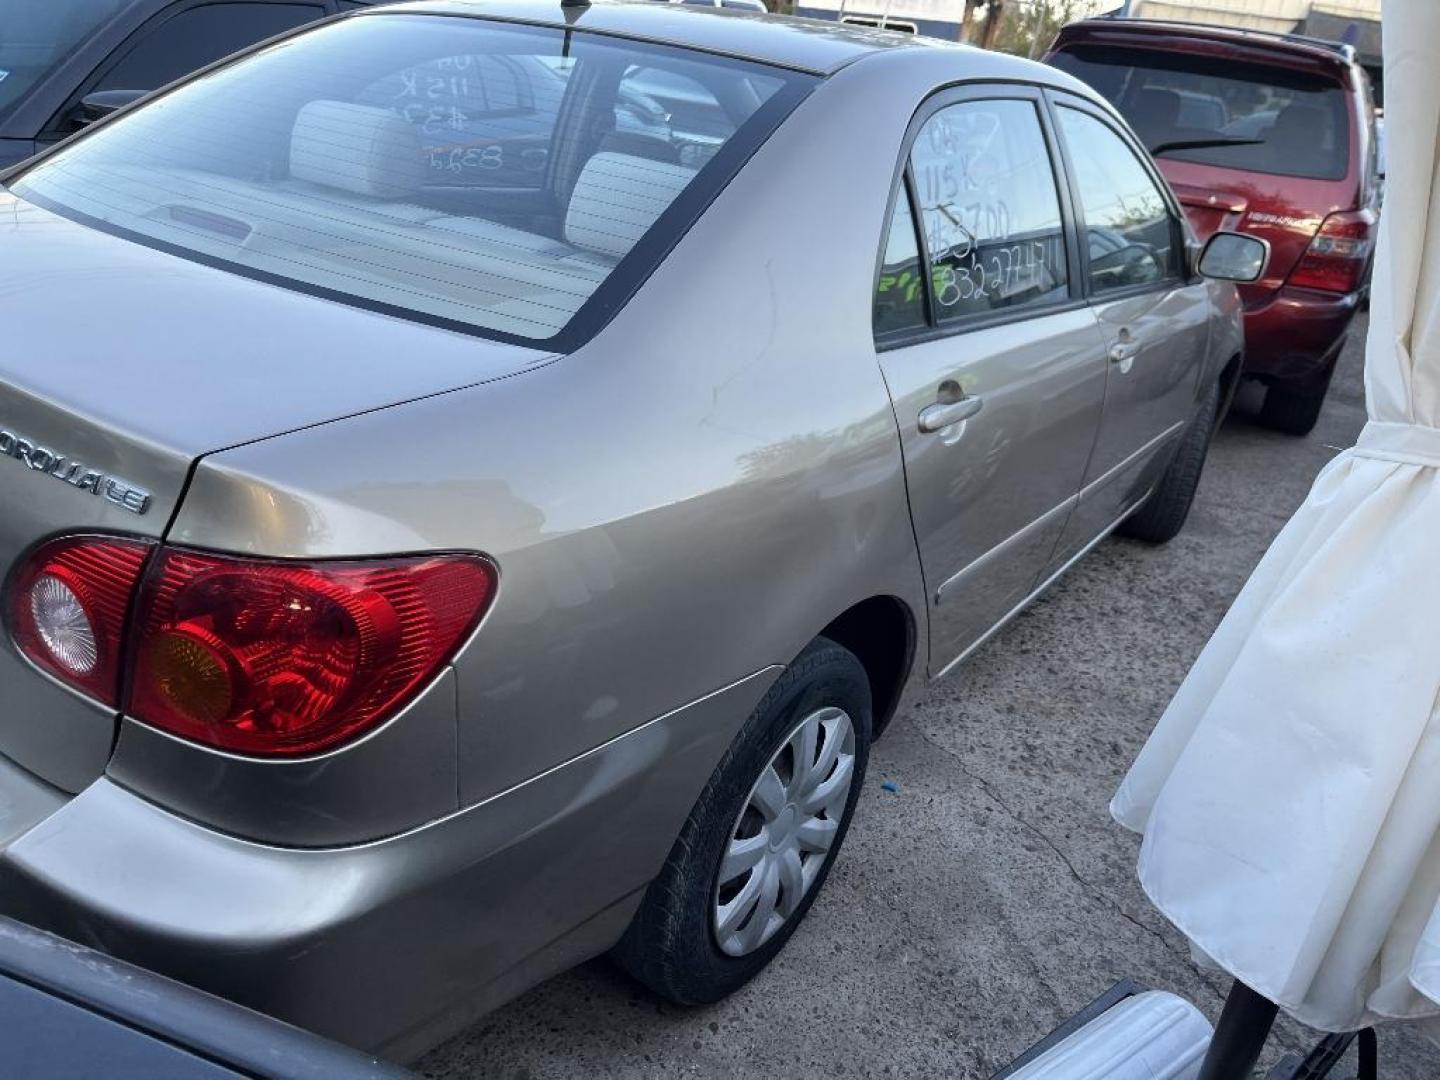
[1336, 259]
[266, 657]
[67, 607]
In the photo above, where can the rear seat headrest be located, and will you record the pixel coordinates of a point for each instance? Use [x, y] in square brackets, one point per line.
[617, 199]
[356, 148]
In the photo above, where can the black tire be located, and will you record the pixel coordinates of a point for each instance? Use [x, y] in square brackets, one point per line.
[671, 945]
[1162, 516]
[1290, 413]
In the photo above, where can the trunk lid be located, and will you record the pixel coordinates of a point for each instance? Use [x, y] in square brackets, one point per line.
[122, 366]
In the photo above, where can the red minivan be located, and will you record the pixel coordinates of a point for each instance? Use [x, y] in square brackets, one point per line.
[1262, 133]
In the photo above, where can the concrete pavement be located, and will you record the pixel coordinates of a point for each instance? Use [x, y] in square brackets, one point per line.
[990, 896]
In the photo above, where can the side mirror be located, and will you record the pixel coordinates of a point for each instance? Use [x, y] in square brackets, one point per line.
[1231, 256]
[102, 103]
[642, 114]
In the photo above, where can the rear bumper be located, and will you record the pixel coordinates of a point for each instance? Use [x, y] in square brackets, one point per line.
[390, 945]
[1293, 338]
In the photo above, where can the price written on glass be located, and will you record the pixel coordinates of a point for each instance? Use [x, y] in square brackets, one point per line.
[466, 110]
[968, 229]
[968, 223]
[979, 184]
[999, 271]
[457, 159]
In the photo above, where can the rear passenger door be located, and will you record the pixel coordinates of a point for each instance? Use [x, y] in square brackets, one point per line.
[993, 359]
[1153, 314]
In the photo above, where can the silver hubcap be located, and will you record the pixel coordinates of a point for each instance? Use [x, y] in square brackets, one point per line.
[784, 832]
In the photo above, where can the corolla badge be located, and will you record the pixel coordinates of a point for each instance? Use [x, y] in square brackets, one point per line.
[42, 459]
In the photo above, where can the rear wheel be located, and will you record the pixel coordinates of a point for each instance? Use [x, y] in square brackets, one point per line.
[1291, 413]
[1162, 516]
[762, 837]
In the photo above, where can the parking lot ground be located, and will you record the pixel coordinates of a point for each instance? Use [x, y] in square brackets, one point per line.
[990, 895]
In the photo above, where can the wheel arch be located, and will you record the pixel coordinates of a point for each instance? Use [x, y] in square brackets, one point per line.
[1229, 383]
[881, 632]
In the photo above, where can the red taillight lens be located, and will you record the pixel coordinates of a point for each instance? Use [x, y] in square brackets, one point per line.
[279, 659]
[67, 606]
[256, 656]
[1336, 258]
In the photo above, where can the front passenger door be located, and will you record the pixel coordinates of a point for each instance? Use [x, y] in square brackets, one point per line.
[994, 362]
[1154, 317]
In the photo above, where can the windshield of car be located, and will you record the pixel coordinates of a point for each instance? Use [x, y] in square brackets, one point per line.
[1218, 112]
[36, 36]
[492, 178]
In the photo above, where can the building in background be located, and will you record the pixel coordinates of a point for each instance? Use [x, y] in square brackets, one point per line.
[1024, 27]
[1028, 26]
[1354, 22]
[1279, 16]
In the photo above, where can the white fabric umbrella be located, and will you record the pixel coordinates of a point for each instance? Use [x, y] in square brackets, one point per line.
[1290, 794]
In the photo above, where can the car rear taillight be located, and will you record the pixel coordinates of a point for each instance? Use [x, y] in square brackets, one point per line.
[278, 658]
[67, 606]
[255, 656]
[1336, 259]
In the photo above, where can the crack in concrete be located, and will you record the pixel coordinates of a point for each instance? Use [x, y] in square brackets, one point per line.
[1179, 952]
[1283, 1036]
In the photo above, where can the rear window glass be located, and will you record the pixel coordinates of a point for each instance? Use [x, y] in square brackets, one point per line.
[492, 178]
[1215, 112]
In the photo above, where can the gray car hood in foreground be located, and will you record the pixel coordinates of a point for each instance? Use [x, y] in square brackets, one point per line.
[192, 359]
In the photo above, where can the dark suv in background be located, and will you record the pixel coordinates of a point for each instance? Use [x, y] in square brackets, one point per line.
[1267, 134]
[56, 53]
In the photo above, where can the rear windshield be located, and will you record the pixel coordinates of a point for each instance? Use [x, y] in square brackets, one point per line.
[1216, 112]
[506, 180]
[36, 36]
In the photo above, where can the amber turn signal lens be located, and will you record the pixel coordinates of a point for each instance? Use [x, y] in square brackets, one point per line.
[191, 674]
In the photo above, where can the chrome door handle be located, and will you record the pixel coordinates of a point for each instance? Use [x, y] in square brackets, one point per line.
[944, 413]
[1125, 347]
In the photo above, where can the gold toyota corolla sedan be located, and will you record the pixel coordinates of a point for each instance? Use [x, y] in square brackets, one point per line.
[478, 477]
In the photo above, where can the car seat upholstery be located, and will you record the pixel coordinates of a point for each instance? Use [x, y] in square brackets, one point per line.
[1302, 134]
[617, 198]
[1155, 115]
[356, 148]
